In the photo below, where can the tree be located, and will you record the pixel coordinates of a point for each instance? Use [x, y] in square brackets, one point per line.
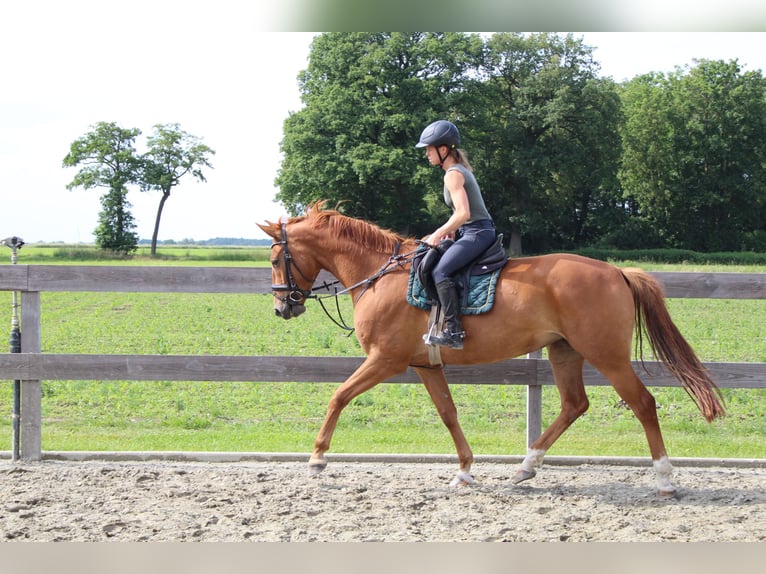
[540, 128]
[367, 97]
[172, 154]
[695, 148]
[108, 157]
[545, 139]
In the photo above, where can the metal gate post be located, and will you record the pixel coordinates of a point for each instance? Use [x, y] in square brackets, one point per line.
[15, 243]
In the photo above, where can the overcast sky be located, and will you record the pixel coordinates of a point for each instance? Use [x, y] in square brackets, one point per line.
[217, 75]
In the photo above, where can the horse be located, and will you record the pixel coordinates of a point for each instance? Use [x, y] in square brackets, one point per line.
[580, 309]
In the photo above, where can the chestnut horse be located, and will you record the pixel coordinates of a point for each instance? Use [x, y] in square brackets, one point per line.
[580, 309]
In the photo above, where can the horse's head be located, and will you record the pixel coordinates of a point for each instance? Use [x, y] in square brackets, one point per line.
[293, 269]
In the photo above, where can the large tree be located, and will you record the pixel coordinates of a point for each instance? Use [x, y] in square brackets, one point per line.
[172, 155]
[546, 141]
[367, 97]
[107, 157]
[539, 126]
[695, 150]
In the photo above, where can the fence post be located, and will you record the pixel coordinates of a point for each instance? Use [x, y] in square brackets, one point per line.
[534, 404]
[31, 391]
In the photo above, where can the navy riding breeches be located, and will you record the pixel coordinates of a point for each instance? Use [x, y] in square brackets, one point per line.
[474, 239]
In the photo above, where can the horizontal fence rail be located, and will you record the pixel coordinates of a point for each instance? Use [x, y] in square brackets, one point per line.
[273, 369]
[31, 366]
[258, 280]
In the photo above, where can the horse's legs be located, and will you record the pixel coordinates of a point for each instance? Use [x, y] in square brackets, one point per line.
[371, 372]
[436, 384]
[567, 371]
[642, 403]
[566, 364]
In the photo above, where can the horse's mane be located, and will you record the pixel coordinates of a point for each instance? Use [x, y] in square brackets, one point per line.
[362, 235]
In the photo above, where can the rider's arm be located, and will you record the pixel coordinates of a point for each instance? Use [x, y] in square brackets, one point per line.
[455, 183]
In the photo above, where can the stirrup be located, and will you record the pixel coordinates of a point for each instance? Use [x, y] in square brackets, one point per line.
[448, 339]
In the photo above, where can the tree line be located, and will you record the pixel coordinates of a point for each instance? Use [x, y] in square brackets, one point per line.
[107, 158]
[565, 158]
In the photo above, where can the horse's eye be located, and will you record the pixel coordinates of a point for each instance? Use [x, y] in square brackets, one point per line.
[275, 263]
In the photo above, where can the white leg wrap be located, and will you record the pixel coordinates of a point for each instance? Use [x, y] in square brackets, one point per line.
[664, 471]
[533, 459]
[462, 478]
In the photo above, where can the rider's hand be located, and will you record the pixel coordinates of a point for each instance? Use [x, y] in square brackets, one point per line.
[434, 239]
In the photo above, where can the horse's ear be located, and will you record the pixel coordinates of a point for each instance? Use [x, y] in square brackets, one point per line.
[269, 228]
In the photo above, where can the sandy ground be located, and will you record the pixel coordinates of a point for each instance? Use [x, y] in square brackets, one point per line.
[351, 501]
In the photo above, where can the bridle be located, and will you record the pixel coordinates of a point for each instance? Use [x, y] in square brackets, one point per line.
[296, 296]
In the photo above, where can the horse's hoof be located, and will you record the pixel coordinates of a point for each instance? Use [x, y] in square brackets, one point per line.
[666, 494]
[462, 479]
[522, 475]
[316, 467]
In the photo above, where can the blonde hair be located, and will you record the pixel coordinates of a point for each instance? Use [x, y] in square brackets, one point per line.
[461, 157]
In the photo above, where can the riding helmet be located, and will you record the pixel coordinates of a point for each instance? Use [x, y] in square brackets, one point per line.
[440, 132]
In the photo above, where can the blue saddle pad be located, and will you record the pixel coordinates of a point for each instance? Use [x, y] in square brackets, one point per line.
[481, 293]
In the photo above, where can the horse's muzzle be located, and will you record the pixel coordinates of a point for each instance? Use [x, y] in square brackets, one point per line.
[288, 310]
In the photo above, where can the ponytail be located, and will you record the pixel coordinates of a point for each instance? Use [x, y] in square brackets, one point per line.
[461, 157]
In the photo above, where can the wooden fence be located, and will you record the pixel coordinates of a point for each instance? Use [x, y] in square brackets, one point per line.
[31, 366]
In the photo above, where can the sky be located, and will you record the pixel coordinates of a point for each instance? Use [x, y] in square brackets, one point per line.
[224, 76]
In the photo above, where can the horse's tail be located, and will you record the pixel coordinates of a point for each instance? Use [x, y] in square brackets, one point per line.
[669, 345]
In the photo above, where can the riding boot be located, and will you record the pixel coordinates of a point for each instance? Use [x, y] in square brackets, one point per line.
[453, 334]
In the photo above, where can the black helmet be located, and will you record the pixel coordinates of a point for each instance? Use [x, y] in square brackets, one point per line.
[441, 132]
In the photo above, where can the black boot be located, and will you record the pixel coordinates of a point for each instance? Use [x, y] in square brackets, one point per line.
[453, 334]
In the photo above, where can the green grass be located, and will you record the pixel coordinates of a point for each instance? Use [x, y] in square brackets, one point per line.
[399, 418]
[173, 255]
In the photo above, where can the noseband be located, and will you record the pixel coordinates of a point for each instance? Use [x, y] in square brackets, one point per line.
[295, 295]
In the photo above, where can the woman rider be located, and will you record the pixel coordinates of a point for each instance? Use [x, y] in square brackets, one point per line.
[470, 219]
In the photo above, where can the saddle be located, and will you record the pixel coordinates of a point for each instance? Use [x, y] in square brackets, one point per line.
[423, 264]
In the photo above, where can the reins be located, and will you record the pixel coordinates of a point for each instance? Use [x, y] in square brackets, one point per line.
[394, 262]
[296, 295]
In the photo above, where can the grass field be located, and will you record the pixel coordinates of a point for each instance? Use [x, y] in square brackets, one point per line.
[176, 255]
[284, 417]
